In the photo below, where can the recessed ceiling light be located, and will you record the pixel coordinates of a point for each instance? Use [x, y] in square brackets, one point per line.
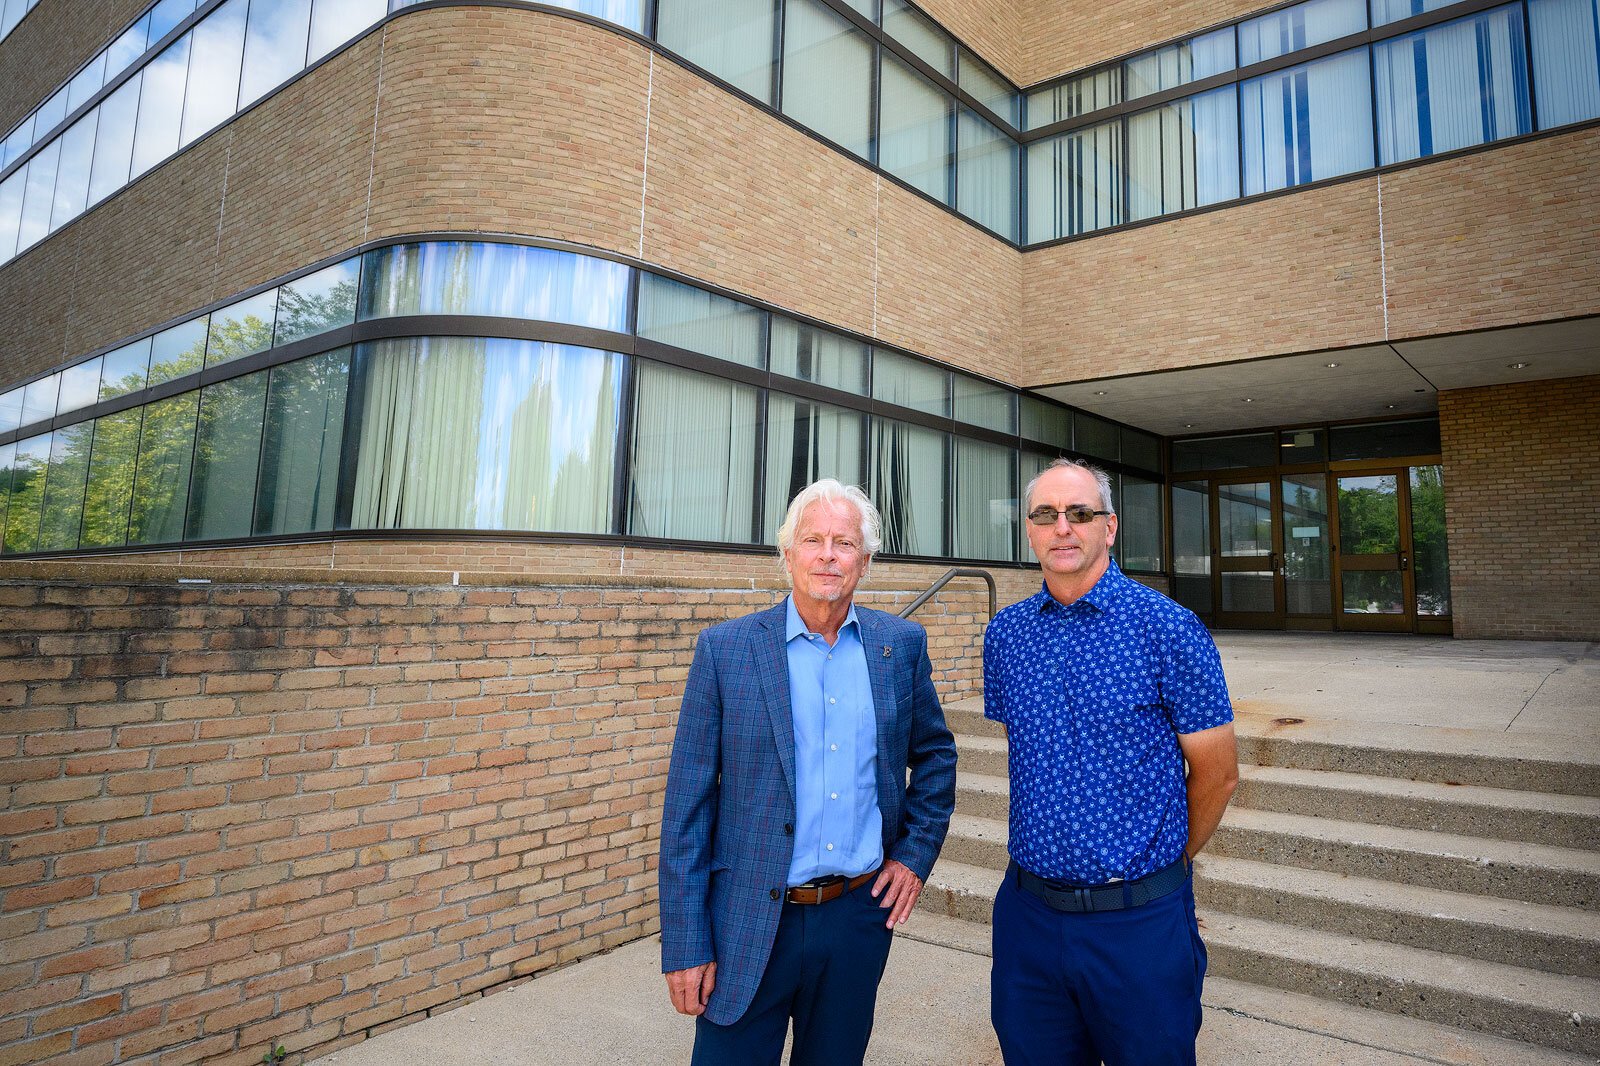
[1100, 392]
[1392, 406]
[1331, 366]
[1248, 399]
[1188, 425]
[1518, 366]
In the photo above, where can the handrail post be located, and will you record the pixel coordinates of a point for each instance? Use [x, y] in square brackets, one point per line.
[945, 579]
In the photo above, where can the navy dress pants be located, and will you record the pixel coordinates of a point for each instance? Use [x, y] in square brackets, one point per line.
[824, 971]
[1118, 986]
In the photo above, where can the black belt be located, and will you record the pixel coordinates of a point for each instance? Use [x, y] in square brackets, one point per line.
[1116, 896]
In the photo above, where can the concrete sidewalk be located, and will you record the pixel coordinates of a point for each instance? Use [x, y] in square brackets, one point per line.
[1535, 698]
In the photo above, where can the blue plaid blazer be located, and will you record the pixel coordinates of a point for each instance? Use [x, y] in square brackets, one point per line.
[725, 849]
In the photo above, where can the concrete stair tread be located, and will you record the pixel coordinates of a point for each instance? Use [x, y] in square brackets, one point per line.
[1527, 991]
[1432, 739]
[966, 878]
[976, 782]
[1478, 850]
[968, 741]
[1428, 902]
[1400, 788]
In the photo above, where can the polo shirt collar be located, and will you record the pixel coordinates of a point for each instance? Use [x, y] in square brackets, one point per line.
[795, 626]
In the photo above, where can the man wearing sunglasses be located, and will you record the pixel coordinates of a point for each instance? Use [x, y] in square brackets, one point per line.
[1108, 691]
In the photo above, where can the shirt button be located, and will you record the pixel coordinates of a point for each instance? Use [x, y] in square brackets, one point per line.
[830, 847]
[832, 700]
[833, 747]
[833, 795]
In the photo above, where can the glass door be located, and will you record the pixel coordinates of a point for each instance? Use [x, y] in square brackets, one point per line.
[1248, 591]
[1307, 549]
[1376, 588]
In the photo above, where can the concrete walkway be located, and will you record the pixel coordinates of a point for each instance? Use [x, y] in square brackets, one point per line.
[933, 1007]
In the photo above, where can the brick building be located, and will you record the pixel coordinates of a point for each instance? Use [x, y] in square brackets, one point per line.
[523, 321]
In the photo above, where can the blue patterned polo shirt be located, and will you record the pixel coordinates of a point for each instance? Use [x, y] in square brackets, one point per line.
[1093, 696]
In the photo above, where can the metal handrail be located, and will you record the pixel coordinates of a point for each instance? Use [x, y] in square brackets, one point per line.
[949, 575]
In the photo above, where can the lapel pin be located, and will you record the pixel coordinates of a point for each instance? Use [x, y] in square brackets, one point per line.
[886, 651]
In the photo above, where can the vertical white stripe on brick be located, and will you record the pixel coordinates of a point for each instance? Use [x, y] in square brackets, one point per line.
[1383, 261]
[644, 179]
[372, 148]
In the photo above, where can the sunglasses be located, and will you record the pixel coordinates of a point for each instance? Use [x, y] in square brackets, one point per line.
[1078, 514]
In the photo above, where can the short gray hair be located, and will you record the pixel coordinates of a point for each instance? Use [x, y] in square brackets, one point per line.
[1101, 478]
[832, 491]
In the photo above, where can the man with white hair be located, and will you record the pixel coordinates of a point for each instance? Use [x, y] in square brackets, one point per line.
[788, 795]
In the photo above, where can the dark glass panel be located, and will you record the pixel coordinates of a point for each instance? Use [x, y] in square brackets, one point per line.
[805, 442]
[300, 453]
[226, 452]
[110, 487]
[317, 302]
[909, 485]
[63, 490]
[25, 500]
[1384, 440]
[1224, 453]
[693, 478]
[985, 512]
[161, 482]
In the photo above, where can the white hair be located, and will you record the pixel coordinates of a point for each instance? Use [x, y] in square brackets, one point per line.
[832, 491]
[1101, 479]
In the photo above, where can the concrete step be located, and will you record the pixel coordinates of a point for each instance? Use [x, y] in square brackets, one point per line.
[1530, 762]
[1537, 873]
[983, 795]
[981, 755]
[1473, 810]
[976, 842]
[1553, 939]
[1552, 1010]
[965, 718]
[961, 891]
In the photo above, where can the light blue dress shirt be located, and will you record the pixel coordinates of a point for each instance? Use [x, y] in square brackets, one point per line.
[838, 828]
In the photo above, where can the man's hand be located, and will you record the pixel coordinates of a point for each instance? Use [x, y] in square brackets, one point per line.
[691, 989]
[898, 888]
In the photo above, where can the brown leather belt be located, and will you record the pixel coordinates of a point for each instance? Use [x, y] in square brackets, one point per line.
[826, 889]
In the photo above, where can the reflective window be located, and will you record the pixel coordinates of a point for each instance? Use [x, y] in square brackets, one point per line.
[1141, 449]
[125, 369]
[1139, 528]
[693, 478]
[688, 317]
[25, 495]
[732, 39]
[161, 106]
[1075, 182]
[812, 354]
[241, 329]
[1306, 123]
[1387, 11]
[50, 113]
[317, 302]
[121, 53]
[178, 351]
[166, 15]
[39, 197]
[39, 399]
[1079, 96]
[926, 41]
[86, 82]
[8, 454]
[1224, 453]
[333, 22]
[990, 89]
[80, 386]
[11, 192]
[1428, 541]
[983, 404]
[1181, 63]
[274, 46]
[476, 433]
[909, 486]
[1301, 26]
[300, 449]
[1452, 86]
[807, 441]
[501, 280]
[984, 516]
[1566, 61]
[1384, 440]
[914, 129]
[1184, 154]
[11, 410]
[1191, 546]
[72, 174]
[986, 174]
[227, 448]
[63, 488]
[113, 145]
[213, 84]
[161, 479]
[1307, 554]
[827, 75]
[910, 383]
[11, 12]
[110, 486]
[1096, 437]
[1046, 422]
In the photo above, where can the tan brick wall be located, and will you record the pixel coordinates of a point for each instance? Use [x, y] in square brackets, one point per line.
[1496, 238]
[995, 29]
[1065, 37]
[1293, 273]
[272, 809]
[1521, 491]
[49, 45]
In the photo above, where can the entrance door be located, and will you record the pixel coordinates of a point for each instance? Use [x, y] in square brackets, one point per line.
[1376, 586]
[1249, 592]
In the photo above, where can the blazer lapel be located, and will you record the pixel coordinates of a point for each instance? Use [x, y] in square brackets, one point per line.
[880, 669]
[772, 668]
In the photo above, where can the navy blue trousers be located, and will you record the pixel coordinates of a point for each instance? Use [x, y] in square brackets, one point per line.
[824, 971]
[1076, 989]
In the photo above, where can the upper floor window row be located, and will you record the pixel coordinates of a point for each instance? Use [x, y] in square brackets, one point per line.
[1271, 123]
[11, 12]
